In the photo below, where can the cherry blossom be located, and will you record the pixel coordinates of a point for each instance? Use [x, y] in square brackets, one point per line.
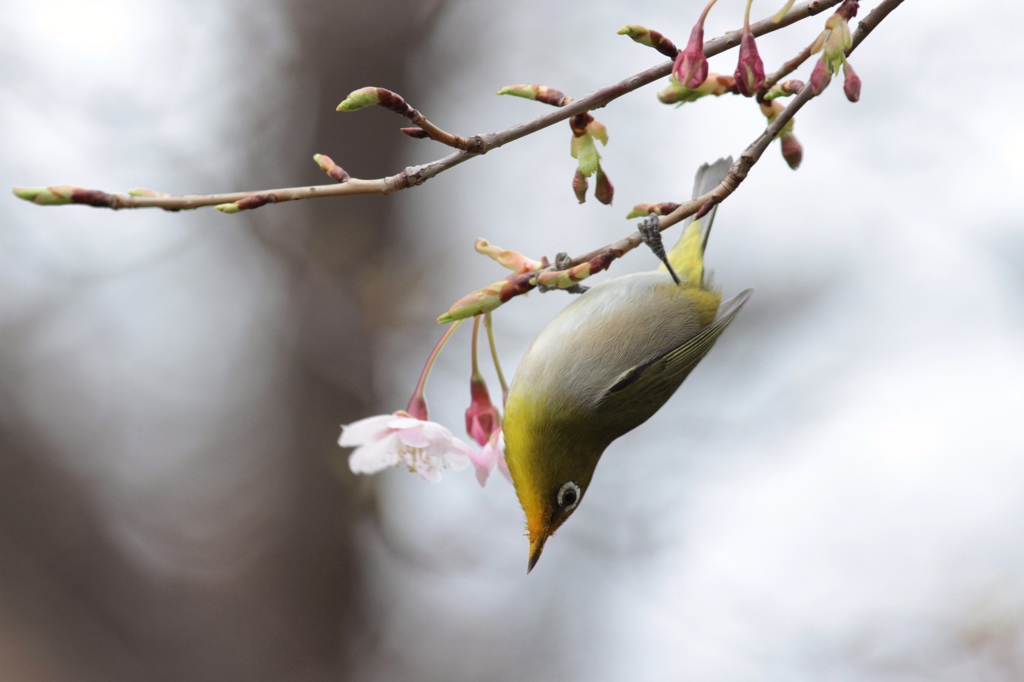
[389, 440]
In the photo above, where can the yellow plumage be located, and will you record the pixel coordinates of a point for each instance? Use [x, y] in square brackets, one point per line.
[604, 366]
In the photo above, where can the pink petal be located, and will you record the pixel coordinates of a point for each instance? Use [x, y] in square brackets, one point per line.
[503, 468]
[414, 437]
[502, 464]
[365, 430]
[484, 462]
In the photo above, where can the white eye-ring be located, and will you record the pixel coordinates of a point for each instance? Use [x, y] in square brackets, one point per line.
[568, 496]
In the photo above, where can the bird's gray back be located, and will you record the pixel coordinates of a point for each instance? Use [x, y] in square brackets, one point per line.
[623, 322]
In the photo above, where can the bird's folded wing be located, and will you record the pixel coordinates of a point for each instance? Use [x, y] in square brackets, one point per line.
[658, 375]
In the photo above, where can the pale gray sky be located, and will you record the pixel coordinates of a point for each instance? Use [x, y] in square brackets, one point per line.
[837, 491]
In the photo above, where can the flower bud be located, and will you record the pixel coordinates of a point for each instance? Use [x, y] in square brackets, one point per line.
[58, 195]
[715, 84]
[851, 83]
[490, 297]
[475, 302]
[512, 260]
[650, 38]
[328, 166]
[540, 93]
[417, 408]
[834, 41]
[46, 196]
[585, 129]
[691, 66]
[482, 417]
[642, 210]
[360, 99]
[565, 279]
[838, 39]
[250, 202]
[771, 110]
[784, 89]
[580, 185]
[820, 77]
[415, 132]
[792, 150]
[604, 191]
[749, 73]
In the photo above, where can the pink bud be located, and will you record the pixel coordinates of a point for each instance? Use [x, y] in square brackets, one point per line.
[750, 70]
[418, 407]
[851, 83]
[820, 77]
[579, 186]
[482, 417]
[691, 66]
[848, 10]
[792, 150]
[604, 192]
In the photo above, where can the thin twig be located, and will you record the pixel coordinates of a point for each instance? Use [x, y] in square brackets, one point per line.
[417, 175]
[600, 259]
[737, 174]
[786, 69]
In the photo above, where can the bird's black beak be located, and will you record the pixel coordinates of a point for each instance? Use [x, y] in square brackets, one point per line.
[536, 547]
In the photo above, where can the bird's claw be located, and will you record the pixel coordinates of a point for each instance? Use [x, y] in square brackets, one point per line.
[651, 234]
[562, 261]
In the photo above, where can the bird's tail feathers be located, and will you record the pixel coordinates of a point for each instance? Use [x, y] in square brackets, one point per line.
[687, 256]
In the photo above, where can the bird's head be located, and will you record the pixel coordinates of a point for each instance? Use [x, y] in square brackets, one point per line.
[551, 456]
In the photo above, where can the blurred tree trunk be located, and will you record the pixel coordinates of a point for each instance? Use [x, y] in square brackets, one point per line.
[72, 607]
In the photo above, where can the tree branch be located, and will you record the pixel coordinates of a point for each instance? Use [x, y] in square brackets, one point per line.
[749, 157]
[415, 175]
[576, 269]
[784, 70]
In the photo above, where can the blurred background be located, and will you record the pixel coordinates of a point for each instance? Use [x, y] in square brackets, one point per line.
[836, 493]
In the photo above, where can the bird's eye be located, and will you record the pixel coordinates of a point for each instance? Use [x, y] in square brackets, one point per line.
[568, 496]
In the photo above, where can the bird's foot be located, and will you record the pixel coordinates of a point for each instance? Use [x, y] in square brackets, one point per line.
[651, 234]
[562, 261]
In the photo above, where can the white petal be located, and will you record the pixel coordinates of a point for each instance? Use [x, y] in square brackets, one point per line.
[456, 461]
[461, 447]
[428, 469]
[436, 432]
[375, 456]
[364, 430]
[405, 422]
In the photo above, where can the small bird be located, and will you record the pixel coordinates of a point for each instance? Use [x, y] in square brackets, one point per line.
[605, 365]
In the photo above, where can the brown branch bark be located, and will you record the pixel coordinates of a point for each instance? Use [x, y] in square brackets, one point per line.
[417, 175]
[784, 70]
